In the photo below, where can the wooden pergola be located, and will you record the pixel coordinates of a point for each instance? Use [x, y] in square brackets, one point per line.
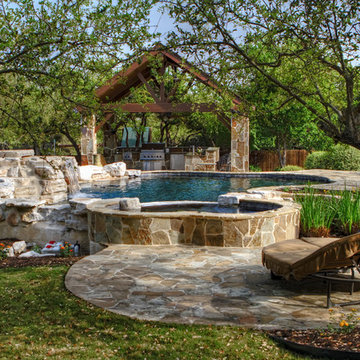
[115, 90]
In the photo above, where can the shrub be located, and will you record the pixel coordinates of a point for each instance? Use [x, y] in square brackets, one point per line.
[340, 157]
[255, 168]
[291, 168]
[315, 160]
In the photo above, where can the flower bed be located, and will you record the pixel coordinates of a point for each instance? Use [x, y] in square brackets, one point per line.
[340, 340]
[66, 256]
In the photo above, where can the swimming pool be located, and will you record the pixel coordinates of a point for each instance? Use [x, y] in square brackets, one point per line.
[171, 188]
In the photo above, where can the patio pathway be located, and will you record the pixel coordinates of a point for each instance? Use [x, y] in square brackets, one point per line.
[202, 285]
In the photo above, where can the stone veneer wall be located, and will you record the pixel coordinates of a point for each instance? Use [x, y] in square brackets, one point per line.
[109, 226]
[207, 162]
[36, 222]
[239, 144]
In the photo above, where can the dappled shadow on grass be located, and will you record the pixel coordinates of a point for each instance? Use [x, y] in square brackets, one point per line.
[40, 318]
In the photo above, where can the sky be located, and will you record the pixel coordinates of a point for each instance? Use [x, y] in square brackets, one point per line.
[161, 21]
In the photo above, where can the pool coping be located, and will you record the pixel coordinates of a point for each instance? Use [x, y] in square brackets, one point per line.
[103, 207]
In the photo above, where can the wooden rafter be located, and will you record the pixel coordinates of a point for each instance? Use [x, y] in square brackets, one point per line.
[162, 108]
[162, 84]
[148, 87]
[137, 74]
[107, 117]
[224, 119]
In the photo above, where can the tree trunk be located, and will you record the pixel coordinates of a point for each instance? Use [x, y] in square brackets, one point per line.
[74, 144]
[282, 153]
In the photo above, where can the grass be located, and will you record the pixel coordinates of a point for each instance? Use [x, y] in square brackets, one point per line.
[40, 319]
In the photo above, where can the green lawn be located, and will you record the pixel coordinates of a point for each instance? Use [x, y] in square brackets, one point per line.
[40, 319]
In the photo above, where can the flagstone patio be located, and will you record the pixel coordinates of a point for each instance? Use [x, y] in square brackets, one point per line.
[202, 285]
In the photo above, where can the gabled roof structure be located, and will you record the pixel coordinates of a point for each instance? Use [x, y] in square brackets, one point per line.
[137, 74]
[119, 86]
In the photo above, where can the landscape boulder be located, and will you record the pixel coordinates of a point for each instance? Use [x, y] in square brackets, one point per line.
[117, 169]
[19, 247]
[130, 204]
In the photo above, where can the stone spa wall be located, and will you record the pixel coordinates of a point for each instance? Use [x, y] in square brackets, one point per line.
[110, 226]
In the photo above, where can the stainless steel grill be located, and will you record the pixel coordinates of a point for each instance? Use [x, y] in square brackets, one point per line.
[152, 159]
[152, 155]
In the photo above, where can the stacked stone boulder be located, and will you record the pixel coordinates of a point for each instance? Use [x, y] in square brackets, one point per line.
[108, 172]
[48, 179]
[34, 196]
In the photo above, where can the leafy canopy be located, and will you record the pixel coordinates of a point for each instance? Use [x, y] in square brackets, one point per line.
[316, 39]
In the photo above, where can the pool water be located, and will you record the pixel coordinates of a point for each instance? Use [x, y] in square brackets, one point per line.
[181, 188]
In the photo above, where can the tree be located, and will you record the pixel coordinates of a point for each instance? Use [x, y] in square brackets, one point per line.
[277, 122]
[316, 39]
[53, 53]
[53, 38]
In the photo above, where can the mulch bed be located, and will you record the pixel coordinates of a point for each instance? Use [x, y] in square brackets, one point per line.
[324, 339]
[16, 262]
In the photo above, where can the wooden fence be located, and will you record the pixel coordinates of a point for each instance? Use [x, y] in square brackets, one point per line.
[269, 160]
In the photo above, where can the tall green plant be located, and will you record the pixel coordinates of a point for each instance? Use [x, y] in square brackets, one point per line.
[317, 212]
[348, 212]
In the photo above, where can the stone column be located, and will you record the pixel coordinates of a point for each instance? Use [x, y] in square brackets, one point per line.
[88, 142]
[239, 143]
[110, 143]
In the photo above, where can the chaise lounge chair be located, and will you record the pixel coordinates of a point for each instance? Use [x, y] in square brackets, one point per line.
[324, 258]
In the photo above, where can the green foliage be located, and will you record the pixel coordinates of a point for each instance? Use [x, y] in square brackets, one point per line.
[290, 44]
[45, 321]
[343, 322]
[336, 211]
[291, 168]
[53, 55]
[348, 212]
[255, 168]
[3, 251]
[275, 122]
[317, 212]
[315, 160]
[340, 157]
[37, 249]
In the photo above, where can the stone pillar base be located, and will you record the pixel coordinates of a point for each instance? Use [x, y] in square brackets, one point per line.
[240, 144]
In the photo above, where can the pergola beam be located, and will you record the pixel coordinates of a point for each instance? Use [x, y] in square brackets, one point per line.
[162, 108]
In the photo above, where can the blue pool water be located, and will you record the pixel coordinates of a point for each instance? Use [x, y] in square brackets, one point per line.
[181, 188]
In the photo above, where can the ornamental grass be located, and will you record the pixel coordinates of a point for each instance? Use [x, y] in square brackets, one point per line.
[317, 213]
[348, 212]
[334, 212]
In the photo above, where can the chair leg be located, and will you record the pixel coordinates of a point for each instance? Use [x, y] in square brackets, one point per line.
[329, 303]
[273, 276]
[353, 283]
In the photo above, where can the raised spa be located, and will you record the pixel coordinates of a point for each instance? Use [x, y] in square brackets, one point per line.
[250, 223]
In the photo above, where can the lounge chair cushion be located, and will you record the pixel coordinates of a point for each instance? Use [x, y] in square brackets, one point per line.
[299, 258]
